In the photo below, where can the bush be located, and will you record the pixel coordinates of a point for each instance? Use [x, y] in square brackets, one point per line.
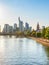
[38, 34]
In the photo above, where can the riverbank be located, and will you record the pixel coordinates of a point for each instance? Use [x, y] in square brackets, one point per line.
[42, 41]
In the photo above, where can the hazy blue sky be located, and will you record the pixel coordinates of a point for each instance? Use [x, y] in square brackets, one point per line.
[31, 11]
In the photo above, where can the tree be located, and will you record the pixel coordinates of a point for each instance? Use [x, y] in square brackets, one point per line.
[43, 32]
[33, 33]
[38, 34]
[28, 33]
[47, 33]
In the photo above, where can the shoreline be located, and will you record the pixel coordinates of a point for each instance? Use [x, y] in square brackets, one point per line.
[42, 41]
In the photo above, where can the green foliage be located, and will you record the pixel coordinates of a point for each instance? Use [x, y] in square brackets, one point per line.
[38, 34]
[28, 33]
[33, 33]
[47, 33]
[43, 32]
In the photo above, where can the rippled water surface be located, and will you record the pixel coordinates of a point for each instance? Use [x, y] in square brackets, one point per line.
[22, 51]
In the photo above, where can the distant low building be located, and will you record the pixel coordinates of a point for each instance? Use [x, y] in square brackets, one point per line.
[43, 27]
[17, 29]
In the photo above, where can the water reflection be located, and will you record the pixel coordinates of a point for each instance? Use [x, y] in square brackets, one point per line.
[22, 51]
[47, 51]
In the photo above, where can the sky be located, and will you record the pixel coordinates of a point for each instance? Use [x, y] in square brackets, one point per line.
[31, 11]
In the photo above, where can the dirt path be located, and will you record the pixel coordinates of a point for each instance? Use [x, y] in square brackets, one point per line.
[42, 41]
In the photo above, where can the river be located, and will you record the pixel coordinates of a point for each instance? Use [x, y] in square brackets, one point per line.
[22, 51]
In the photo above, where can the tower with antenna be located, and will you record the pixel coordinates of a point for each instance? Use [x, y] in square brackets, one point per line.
[21, 27]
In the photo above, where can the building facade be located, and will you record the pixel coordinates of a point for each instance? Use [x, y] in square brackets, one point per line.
[26, 26]
[6, 28]
[15, 27]
[10, 29]
[21, 27]
[38, 27]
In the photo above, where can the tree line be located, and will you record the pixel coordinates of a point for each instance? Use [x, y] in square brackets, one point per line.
[44, 33]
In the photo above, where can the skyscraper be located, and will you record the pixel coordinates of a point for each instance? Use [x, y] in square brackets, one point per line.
[21, 27]
[10, 29]
[15, 27]
[6, 28]
[26, 26]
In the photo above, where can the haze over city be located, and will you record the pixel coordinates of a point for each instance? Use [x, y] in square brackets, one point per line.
[31, 11]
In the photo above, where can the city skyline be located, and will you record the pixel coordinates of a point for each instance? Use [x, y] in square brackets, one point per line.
[15, 28]
[31, 11]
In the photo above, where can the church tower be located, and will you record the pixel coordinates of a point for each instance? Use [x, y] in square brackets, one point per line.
[38, 27]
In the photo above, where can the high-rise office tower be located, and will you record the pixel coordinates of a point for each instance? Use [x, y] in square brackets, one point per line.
[26, 26]
[10, 29]
[15, 27]
[21, 27]
[6, 28]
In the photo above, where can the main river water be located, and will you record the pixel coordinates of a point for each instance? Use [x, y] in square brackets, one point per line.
[22, 51]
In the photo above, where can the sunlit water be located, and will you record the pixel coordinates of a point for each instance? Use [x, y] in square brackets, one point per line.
[22, 51]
